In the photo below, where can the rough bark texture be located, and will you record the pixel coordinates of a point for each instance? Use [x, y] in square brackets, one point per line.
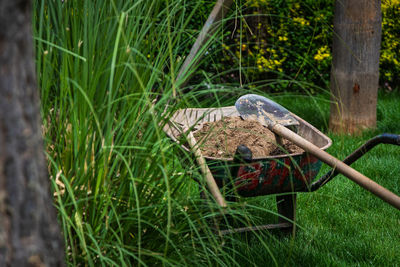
[29, 233]
[355, 66]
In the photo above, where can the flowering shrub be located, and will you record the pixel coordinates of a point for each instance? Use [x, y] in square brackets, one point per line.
[284, 40]
[291, 40]
[390, 50]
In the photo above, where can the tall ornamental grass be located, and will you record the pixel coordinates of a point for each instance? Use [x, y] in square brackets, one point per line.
[107, 72]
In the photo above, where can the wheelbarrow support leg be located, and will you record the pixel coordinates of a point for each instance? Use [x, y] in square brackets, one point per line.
[287, 210]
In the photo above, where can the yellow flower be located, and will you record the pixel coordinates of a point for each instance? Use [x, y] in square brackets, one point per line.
[301, 21]
[224, 46]
[282, 38]
[322, 53]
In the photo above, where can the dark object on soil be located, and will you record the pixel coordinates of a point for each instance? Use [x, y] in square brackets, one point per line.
[243, 154]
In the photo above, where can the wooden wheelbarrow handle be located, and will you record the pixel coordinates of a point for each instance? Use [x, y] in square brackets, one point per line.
[339, 166]
[211, 184]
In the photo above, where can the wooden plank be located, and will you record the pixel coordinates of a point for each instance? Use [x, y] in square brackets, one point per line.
[218, 12]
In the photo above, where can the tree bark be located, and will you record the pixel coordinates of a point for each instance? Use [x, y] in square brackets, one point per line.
[29, 232]
[355, 65]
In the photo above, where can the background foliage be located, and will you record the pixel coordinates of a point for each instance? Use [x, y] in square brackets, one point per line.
[390, 50]
[289, 43]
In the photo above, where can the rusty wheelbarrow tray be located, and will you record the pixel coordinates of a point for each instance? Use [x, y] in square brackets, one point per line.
[289, 173]
[278, 174]
[285, 175]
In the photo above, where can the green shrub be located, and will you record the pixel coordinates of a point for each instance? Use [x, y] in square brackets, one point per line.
[390, 49]
[284, 41]
[286, 45]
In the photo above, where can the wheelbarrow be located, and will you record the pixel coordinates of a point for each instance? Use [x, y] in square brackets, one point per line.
[284, 175]
[261, 176]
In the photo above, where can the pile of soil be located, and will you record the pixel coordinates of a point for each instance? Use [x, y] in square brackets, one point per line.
[220, 139]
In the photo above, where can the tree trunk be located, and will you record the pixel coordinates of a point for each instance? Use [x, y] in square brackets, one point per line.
[355, 65]
[29, 233]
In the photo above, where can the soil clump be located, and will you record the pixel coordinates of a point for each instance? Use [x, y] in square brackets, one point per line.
[220, 139]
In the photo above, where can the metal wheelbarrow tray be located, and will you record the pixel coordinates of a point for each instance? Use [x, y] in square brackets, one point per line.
[286, 174]
[262, 176]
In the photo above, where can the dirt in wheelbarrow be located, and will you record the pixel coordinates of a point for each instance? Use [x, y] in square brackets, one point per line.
[220, 139]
